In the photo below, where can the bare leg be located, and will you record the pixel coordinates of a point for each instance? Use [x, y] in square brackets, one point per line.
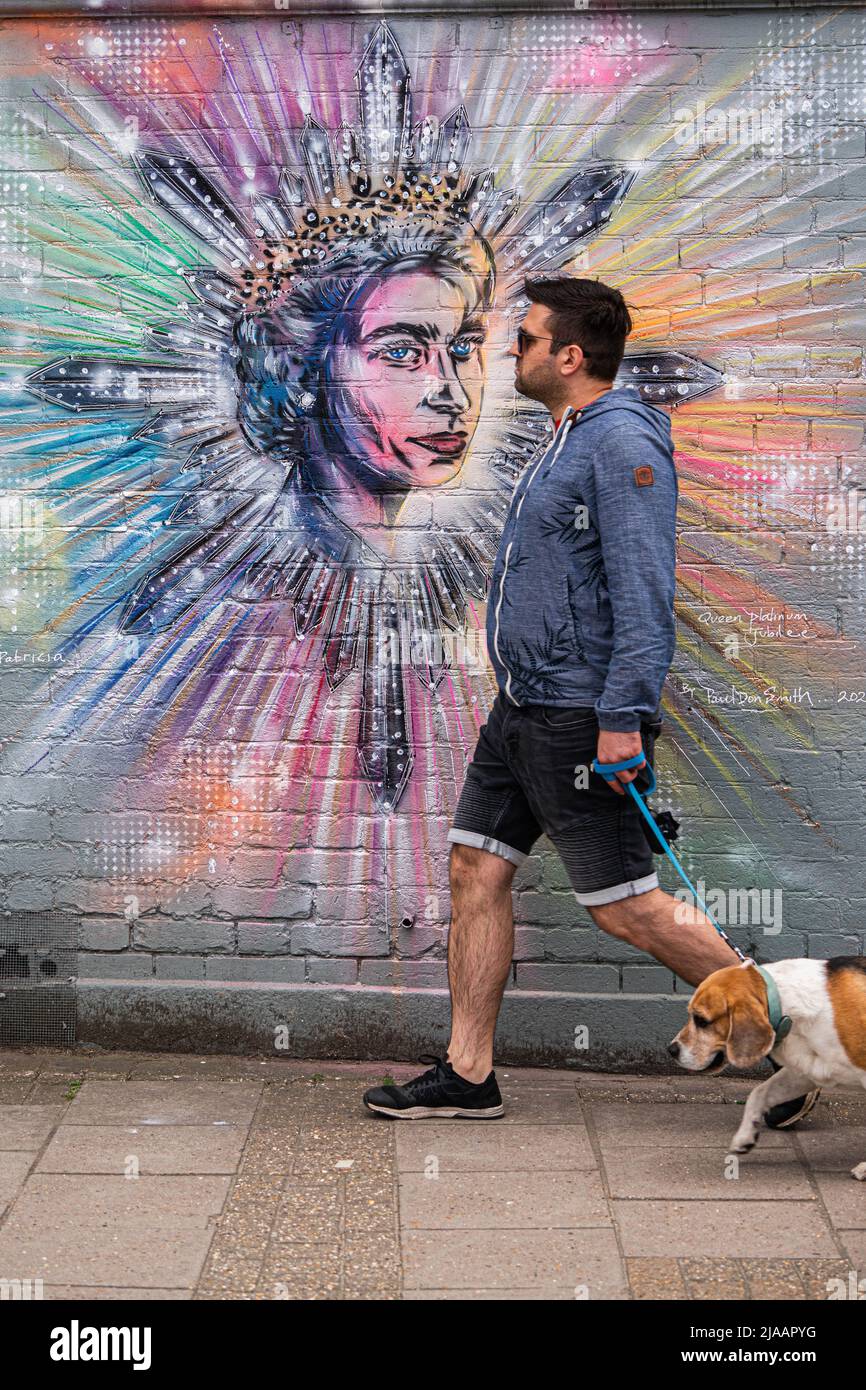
[676, 933]
[480, 948]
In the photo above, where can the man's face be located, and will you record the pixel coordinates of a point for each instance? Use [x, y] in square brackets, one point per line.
[410, 378]
[536, 373]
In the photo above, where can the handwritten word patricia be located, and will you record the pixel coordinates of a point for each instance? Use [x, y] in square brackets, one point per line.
[19, 658]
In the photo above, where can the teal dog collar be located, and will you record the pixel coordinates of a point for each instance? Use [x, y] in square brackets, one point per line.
[779, 1022]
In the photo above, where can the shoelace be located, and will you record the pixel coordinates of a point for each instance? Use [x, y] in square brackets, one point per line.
[430, 1080]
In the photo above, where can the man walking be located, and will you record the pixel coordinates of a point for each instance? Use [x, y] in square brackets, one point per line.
[581, 634]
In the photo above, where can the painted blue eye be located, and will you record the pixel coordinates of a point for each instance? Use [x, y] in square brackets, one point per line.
[401, 352]
[463, 350]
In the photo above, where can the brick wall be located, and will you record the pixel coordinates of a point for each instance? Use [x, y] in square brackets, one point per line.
[225, 746]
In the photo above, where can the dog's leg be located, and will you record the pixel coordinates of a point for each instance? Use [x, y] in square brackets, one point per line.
[782, 1085]
[860, 1171]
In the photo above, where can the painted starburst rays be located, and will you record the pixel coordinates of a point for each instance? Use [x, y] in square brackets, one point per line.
[225, 395]
[211, 608]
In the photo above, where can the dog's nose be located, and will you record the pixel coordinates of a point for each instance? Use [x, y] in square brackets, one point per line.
[674, 1049]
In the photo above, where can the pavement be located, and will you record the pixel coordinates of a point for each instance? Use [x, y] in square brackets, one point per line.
[157, 1176]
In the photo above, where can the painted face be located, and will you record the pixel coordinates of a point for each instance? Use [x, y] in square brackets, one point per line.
[406, 377]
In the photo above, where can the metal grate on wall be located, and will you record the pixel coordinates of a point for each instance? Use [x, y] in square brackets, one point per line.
[38, 971]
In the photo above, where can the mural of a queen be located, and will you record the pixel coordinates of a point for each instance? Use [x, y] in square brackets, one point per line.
[342, 449]
[372, 376]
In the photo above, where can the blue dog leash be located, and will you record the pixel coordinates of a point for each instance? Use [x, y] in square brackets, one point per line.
[608, 771]
[779, 1022]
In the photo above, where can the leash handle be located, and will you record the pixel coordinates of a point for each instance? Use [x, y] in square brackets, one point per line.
[608, 771]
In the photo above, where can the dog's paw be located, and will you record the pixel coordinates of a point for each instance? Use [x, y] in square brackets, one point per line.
[743, 1143]
[859, 1172]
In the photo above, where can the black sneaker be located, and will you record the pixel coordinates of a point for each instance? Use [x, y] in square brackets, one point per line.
[789, 1112]
[437, 1093]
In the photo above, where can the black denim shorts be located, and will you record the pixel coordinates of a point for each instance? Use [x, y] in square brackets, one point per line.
[530, 775]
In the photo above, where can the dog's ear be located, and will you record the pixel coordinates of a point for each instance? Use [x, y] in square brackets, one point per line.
[750, 1036]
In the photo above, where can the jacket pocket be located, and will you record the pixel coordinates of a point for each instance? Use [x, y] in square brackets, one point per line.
[571, 608]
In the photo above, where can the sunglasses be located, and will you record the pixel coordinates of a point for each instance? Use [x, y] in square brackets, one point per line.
[524, 339]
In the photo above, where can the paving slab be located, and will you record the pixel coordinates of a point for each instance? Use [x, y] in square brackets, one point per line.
[309, 1212]
[145, 1149]
[707, 1173]
[228, 1273]
[28, 1126]
[542, 1294]
[246, 1225]
[270, 1151]
[182, 1102]
[16, 1061]
[324, 1147]
[513, 1078]
[506, 1200]
[658, 1277]
[833, 1149]
[838, 1108]
[309, 1272]
[338, 1101]
[16, 1090]
[854, 1245]
[79, 1230]
[91, 1292]
[645, 1124]
[743, 1229]
[683, 1087]
[493, 1148]
[372, 1262]
[536, 1105]
[844, 1198]
[584, 1260]
[50, 1093]
[74, 1199]
[14, 1168]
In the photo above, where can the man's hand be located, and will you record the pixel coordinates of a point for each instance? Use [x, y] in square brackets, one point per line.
[616, 748]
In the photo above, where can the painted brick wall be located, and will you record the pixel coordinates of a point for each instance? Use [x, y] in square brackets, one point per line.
[234, 727]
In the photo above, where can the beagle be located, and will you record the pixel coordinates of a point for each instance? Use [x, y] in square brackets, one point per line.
[809, 1015]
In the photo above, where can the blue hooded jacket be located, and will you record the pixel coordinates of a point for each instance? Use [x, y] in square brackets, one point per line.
[580, 610]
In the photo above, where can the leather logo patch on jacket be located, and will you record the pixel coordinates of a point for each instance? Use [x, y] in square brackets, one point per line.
[643, 476]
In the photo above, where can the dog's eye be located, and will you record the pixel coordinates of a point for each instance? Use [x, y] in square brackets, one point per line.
[699, 1021]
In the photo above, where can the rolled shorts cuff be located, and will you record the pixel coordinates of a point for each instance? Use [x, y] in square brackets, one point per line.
[479, 841]
[618, 890]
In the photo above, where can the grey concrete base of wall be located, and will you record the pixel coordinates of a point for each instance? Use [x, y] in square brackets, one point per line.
[597, 1032]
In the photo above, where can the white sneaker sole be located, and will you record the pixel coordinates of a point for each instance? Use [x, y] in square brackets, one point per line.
[808, 1105]
[436, 1112]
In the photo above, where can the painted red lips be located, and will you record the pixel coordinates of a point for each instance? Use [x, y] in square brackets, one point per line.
[447, 442]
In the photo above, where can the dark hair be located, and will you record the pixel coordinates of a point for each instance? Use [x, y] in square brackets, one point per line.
[588, 313]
